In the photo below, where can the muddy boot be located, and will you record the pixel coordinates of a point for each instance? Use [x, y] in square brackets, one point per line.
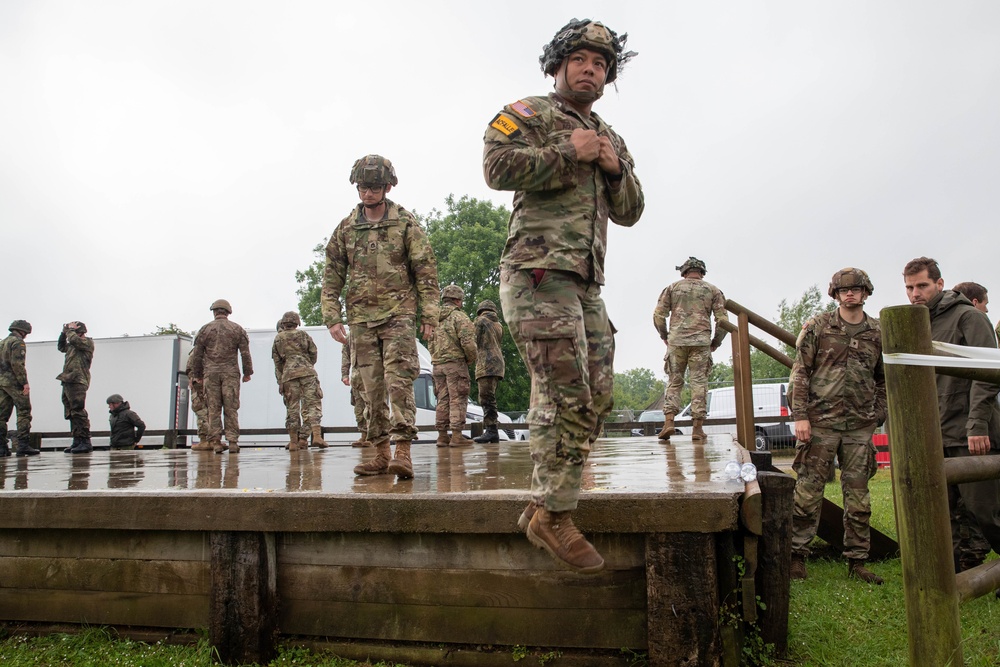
[443, 439]
[293, 439]
[317, 433]
[525, 518]
[490, 434]
[401, 466]
[377, 465]
[459, 440]
[24, 449]
[668, 427]
[798, 570]
[856, 568]
[555, 532]
[697, 432]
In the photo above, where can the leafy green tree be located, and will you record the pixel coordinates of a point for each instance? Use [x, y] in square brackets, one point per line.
[170, 330]
[310, 286]
[636, 388]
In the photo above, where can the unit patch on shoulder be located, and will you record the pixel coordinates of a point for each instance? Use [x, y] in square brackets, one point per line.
[505, 125]
[523, 109]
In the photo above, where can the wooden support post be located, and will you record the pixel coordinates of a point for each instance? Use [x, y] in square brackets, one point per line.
[243, 603]
[775, 553]
[745, 433]
[920, 493]
[682, 617]
[170, 438]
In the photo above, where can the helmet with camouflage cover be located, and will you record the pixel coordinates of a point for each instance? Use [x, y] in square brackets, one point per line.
[850, 277]
[115, 398]
[20, 325]
[586, 34]
[692, 264]
[221, 304]
[373, 170]
[290, 319]
[486, 305]
[453, 292]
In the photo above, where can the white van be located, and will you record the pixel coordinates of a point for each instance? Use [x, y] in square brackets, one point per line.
[769, 400]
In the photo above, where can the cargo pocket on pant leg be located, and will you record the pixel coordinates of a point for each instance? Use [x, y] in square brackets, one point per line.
[553, 358]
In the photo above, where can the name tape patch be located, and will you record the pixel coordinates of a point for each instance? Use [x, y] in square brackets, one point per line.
[505, 125]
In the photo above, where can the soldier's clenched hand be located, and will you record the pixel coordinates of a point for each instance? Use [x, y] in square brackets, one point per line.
[426, 331]
[337, 331]
[587, 145]
[607, 159]
[803, 430]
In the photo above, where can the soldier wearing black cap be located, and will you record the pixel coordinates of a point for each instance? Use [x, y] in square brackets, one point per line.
[126, 426]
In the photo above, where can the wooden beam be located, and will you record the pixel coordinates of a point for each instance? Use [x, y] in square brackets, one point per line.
[243, 603]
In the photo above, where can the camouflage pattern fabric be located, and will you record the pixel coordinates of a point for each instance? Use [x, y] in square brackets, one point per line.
[697, 360]
[198, 405]
[813, 465]
[13, 354]
[388, 267]
[488, 398]
[489, 352]
[838, 379]
[454, 337]
[386, 358]
[349, 370]
[74, 400]
[222, 394]
[451, 386]
[303, 404]
[294, 354]
[79, 353]
[216, 347]
[11, 398]
[690, 304]
[562, 331]
[561, 206]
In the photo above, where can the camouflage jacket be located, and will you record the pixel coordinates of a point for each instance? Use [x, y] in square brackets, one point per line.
[454, 337]
[13, 372]
[489, 336]
[217, 346]
[388, 267]
[690, 304]
[838, 381]
[561, 206]
[345, 359]
[294, 353]
[79, 353]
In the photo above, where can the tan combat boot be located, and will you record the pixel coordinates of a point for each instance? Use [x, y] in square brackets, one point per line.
[856, 568]
[798, 570]
[201, 446]
[668, 427]
[555, 532]
[525, 518]
[318, 441]
[361, 442]
[379, 464]
[401, 466]
[234, 447]
[459, 440]
[293, 439]
[697, 432]
[443, 439]
[218, 447]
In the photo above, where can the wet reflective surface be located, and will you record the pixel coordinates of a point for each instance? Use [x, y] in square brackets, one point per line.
[640, 465]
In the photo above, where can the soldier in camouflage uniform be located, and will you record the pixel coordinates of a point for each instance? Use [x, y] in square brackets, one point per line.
[75, 378]
[351, 378]
[570, 172]
[452, 349]
[837, 402]
[489, 367]
[381, 253]
[303, 433]
[215, 365]
[198, 406]
[690, 304]
[14, 389]
[294, 354]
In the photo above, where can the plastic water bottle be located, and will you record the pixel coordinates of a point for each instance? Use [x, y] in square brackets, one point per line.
[748, 472]
[733, 470]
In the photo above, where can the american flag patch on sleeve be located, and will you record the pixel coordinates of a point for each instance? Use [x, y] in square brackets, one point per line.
[522, 109]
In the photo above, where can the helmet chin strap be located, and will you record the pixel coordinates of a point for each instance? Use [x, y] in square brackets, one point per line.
[580, 97]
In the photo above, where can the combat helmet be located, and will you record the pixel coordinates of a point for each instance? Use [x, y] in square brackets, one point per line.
[221, 304]
[373, 170]
[579, 34]
[486, 305]
[115, 398]
[850, 277]
[290, 319]
[453, 292]
[20, 325]
[692, 264]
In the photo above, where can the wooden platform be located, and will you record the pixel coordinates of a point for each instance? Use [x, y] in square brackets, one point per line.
[180, 539]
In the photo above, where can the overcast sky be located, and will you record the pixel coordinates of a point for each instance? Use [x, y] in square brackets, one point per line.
[156, 156]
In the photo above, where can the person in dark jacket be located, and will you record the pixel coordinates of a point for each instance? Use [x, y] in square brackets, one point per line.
[970, 415]
[126, 426]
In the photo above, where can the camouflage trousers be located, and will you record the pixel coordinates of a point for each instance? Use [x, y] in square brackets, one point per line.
[975, 515]
[359, 403]
[10, 398]
[697, 360]
[488, 398]
[562, 332]
[74, 400]
[386, 357]
[200, 409]
[813, 465]
[222, 396]
[303, 404]
[451, 386]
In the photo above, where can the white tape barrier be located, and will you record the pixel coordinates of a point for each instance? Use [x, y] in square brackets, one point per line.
[971, 357]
